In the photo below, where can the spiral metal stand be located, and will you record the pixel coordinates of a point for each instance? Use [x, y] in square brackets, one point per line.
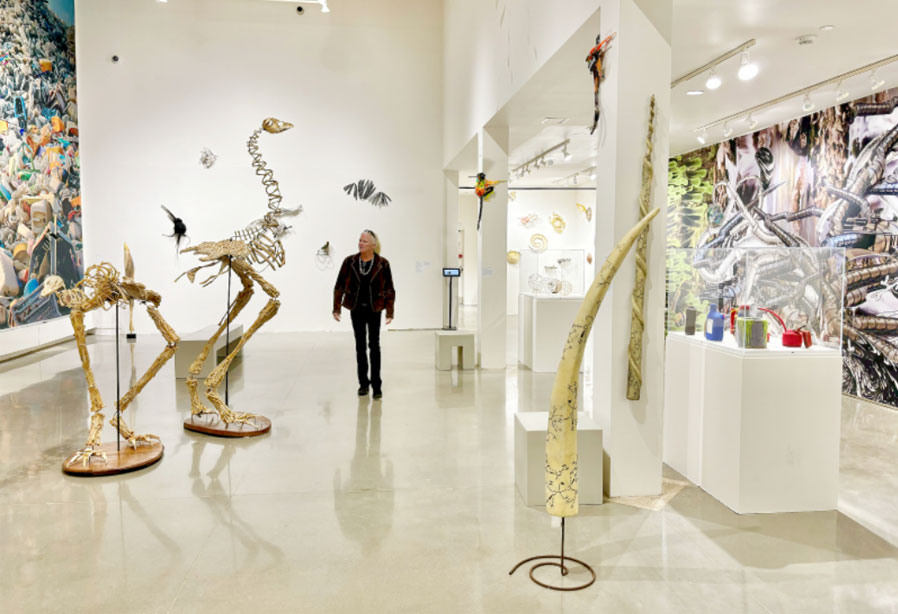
[559, 563]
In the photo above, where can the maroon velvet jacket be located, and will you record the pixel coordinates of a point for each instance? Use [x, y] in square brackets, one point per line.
[346, 290]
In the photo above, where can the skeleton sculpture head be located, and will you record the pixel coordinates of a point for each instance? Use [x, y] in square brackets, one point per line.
[274, 125]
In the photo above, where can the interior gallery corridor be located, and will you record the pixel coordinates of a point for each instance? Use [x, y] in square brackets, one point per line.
[402, 505]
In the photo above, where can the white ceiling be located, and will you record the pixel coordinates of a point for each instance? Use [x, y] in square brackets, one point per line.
[703, 30]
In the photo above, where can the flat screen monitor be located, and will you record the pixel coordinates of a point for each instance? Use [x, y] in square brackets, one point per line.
[451, 272]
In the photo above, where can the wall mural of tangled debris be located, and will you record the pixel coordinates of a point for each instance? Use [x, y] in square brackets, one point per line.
[40, 194]
[829, 179]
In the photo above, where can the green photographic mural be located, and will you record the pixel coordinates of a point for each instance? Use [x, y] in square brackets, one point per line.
[829, 179]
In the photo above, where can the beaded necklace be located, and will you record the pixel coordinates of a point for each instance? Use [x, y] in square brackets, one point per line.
[365, 267]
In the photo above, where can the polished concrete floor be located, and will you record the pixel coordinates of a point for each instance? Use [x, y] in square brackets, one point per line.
[403, 505]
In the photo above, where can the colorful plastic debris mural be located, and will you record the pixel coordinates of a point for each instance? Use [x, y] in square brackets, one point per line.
[40, 193]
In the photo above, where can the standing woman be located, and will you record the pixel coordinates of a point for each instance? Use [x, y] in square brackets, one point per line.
[365, 287]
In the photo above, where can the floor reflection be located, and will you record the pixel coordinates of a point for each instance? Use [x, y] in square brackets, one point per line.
[363, 499]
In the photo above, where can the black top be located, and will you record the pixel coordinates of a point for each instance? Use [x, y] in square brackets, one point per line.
[364, 295]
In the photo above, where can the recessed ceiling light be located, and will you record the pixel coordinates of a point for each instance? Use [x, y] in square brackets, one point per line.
[827, 28]
[695, 92]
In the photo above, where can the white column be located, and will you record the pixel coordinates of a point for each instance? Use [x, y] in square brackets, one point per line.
[450, 244]
[492, 159]
[637, 66]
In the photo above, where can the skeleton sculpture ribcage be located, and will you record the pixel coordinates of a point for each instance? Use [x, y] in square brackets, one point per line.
[263, 236]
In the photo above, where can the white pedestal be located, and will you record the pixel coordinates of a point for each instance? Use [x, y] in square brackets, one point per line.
[543, 326]
[530, 457]
[756, 429]
[445, 341]
[191, 345]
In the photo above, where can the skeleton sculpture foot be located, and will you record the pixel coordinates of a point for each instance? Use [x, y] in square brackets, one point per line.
[84, 455]
[131, 437]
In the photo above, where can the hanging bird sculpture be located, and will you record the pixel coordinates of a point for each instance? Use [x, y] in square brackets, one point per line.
[483, 189]
[595, 63]
[179, 231]
[364, 189]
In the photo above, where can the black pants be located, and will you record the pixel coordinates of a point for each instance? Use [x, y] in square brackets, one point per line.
[367, 323]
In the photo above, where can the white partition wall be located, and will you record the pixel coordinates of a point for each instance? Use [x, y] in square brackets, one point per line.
[450, 246]
[491, 240]
[638, 66]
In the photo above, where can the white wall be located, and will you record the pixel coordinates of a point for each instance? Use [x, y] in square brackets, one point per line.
[467, 221]
[578, 232]
[362, 84]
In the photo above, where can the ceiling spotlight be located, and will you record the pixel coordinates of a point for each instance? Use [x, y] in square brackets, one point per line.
[751, 121]
[593, 174]
[747, 69]
[727, 131]
[574, 180]
[324, 7]
[808, 103]
[703, 137]
[695, 92]
[567, 155]
[841, 94]
[875, 82]
[713, 81]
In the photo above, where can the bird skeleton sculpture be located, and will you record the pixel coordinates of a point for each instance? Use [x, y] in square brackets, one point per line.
[102, 288]
[259, 244]
[562, 472]
[637, 300]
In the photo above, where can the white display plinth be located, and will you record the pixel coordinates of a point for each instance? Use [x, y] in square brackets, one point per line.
[530, 457]
[544, 322]
[756, 429]
[445, 341]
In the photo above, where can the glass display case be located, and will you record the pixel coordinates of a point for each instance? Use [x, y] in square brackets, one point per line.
[767, 296]
[553, 272]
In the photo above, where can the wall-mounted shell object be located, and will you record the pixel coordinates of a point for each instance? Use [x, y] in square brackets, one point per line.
[513, 257]
[538, 242]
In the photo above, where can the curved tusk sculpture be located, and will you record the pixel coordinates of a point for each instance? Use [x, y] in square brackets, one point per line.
[561, 436]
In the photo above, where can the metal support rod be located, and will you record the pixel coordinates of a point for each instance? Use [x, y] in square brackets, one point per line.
[228, 333]
[563, 568]
[118, 390]
[450, 304]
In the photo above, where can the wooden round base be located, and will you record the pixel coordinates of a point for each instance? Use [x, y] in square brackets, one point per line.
[117, 461]
[212, 424]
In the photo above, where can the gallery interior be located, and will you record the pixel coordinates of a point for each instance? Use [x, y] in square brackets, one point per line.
[448, 306]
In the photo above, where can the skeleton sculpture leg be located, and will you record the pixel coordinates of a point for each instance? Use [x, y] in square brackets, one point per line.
[171, 339]
[92, 447]
[247, 275]
[196, 405]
